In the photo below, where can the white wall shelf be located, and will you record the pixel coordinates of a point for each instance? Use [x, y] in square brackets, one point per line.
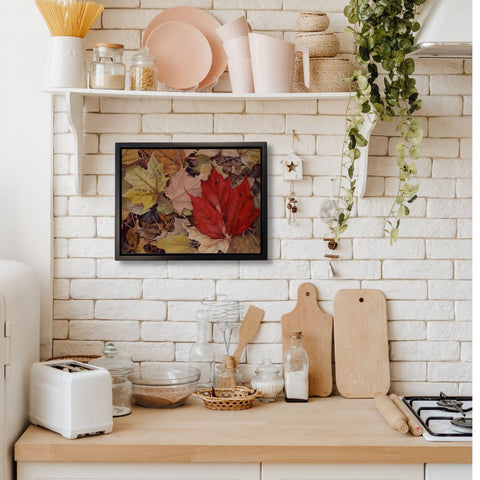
[75, 100]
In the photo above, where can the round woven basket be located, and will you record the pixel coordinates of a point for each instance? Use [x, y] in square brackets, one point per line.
[77, 358]
[326, 75]
[320, 44]
[234, 398]
[313, 21]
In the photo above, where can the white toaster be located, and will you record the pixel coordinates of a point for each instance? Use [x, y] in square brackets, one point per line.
[71, 398]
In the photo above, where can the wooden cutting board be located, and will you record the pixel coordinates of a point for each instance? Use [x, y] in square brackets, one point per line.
[316, 327]
[361, 343]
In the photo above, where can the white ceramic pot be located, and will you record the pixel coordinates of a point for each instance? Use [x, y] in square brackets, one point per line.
[66, 63]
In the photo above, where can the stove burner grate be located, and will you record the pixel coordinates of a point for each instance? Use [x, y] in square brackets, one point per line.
[462, 422]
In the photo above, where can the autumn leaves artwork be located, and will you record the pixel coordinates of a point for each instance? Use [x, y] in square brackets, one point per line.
[191, 201]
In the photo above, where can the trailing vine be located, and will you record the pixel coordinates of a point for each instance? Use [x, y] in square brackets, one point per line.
[383, 32]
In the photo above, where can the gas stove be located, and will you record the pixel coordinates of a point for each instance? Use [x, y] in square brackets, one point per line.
[444, 418]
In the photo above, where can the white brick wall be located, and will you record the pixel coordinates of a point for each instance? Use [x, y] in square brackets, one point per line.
[149, 308]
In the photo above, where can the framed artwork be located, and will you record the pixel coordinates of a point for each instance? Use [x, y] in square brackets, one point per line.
[191, 201]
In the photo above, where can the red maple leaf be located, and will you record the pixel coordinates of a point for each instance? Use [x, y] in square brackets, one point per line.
[222, 211]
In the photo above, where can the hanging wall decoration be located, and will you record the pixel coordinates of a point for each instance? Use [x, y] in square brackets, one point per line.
[187, 201]
[292, 171]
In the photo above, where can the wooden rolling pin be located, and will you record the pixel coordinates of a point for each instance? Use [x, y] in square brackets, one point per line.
[413, 423]
[390, 412]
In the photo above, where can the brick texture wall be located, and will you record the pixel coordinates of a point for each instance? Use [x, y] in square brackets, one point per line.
[148, 309]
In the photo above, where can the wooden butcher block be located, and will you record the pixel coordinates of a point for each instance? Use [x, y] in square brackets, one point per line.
[316, 327]
[361, 343]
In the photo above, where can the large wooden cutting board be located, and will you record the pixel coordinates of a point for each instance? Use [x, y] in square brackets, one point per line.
[316, 327]
[361, 343]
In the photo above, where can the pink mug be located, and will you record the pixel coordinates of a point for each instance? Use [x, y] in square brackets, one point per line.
[241, 78]
[238, 28]
[273, 62]
[237, 47]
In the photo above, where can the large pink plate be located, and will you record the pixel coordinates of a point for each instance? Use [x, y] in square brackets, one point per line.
[182, 54]
[207, 24]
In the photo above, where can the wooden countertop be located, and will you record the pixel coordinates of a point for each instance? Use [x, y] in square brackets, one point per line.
[324, 430]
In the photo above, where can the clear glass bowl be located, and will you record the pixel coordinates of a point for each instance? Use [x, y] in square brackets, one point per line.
[164, 386]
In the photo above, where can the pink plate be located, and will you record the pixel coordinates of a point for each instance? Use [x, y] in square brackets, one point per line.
[207, 24]
[182, 54]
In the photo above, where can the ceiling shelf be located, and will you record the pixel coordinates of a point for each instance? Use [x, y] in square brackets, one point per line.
[75, 100]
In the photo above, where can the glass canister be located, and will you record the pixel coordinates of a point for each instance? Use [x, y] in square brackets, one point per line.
[202, 354]
[107, 70]
[295, 367]
[143, 71]
[119, 368]
[267, 380]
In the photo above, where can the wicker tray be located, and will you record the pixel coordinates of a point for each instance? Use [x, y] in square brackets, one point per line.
[77, 358]
[326, 75]
[234, 398]
[320, 44]
[313, 21]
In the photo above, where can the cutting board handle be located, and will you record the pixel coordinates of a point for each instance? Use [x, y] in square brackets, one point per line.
[307, 293]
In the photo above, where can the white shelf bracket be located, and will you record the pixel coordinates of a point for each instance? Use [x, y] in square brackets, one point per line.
[368, 125]
[75, 118]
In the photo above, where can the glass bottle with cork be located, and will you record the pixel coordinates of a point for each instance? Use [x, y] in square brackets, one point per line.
[296, 370]
[202, 354]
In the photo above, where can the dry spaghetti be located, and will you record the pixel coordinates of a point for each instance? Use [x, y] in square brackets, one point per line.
[69, 18]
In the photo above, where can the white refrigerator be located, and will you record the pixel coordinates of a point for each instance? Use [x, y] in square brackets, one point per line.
[19, 348]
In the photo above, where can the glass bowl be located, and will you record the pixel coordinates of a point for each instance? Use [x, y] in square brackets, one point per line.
[164, 386]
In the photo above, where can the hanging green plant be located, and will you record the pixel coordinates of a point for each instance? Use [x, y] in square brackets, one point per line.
[383, 32]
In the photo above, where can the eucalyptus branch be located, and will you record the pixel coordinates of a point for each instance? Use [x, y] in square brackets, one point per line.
[383, 32]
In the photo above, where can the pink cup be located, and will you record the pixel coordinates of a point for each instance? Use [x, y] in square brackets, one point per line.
[273, 61]
[237, 47]
[238, 28]
[241, 77]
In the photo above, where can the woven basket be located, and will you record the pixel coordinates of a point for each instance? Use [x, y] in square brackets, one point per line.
[313, 22]
[78, 358]
[320, 44]
[234, 398]
[326, 75]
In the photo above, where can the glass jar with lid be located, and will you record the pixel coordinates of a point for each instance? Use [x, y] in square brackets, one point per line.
[143, 71]
[107, 70]
[267, 380]
[119, 368]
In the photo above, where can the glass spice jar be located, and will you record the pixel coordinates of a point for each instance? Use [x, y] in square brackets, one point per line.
[267, 380]
[143, 71]
[119, 368]
[107, 70]
[296, 370]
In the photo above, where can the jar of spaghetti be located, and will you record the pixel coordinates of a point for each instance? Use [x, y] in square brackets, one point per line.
[143, 72]
[107, 70]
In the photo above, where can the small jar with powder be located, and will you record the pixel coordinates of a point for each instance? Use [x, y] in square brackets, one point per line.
[107, 70]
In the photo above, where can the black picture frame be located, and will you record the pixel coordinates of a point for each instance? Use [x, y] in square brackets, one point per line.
[262, 254]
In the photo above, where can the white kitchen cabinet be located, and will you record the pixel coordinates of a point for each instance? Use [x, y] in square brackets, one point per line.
[138, 471]
[448, 471]
[316, 471]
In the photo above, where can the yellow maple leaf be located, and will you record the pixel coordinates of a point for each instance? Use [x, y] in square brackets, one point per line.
[146, 184]
[175, 244]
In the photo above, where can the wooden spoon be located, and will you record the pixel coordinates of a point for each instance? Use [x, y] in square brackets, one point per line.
[248, 329]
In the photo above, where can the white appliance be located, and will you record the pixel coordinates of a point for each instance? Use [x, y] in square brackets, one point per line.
[446, 29]
[71, 398]
[19, 348]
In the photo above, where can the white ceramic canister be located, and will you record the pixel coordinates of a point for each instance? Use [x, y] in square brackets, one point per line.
[66, 63]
